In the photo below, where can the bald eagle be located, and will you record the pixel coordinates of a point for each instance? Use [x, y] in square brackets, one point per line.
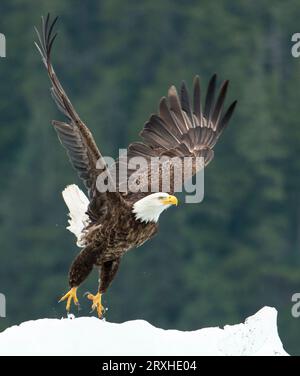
[115, 221]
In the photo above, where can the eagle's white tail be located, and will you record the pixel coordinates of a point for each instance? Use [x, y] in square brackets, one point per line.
[77, 203]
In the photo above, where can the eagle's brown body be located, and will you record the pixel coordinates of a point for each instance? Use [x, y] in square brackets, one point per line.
[179, 130]
[106, 247]
[117, 235]
[106, 241]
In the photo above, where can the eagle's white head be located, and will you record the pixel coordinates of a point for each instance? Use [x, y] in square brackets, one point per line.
[149, 208]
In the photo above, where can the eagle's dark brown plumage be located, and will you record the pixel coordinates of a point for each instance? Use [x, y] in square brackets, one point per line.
[178, 130]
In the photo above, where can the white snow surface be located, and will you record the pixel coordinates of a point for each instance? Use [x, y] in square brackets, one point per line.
[91, 336]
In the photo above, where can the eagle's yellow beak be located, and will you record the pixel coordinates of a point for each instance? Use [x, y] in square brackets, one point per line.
[170, 200]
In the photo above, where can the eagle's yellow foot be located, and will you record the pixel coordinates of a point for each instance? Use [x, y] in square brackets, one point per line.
[71, 295]
[96, 299]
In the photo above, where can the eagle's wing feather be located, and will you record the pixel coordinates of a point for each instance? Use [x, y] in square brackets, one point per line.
[74, 135]
[179, 123]
[180, 130]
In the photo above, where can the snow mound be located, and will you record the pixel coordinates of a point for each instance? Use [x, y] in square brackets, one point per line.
[90, 336]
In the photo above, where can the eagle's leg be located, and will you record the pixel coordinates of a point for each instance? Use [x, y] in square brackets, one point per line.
[108, 272]
[79, 271]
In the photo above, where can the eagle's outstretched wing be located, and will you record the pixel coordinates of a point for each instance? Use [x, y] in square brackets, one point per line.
[179, 130]
[73, 134]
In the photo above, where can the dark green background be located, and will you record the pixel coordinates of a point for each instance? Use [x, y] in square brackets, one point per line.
[212, 264]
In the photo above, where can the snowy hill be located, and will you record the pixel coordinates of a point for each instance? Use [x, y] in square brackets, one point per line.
[90, 336]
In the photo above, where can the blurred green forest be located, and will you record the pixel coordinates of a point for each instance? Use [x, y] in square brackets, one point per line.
[212, 264]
